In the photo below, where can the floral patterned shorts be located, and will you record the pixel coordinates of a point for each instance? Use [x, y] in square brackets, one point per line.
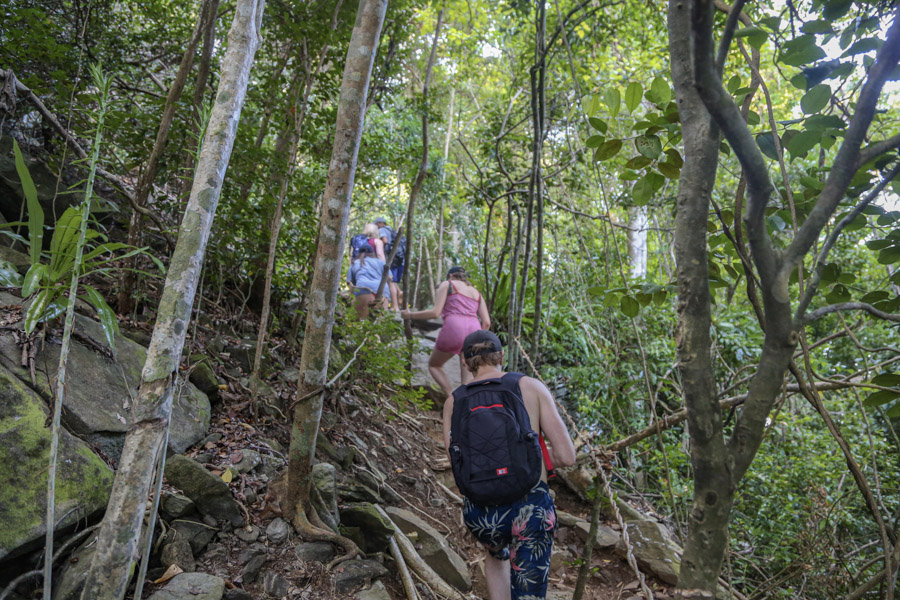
[521, 532]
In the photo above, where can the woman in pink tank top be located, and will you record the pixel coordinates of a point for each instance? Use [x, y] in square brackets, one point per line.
[460, 306]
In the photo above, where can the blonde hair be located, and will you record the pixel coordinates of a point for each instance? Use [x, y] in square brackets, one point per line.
[371, 230]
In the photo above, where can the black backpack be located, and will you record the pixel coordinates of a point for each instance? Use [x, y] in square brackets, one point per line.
[495, 455]
[401, 252]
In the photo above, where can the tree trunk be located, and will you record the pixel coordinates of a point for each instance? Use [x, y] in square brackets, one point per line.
[712, 494]
[538, 179]
[148, 174]
[120, 531]
[209, 43]
[327, 266]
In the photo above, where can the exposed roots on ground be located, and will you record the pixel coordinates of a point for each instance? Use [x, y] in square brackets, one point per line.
[320, 533]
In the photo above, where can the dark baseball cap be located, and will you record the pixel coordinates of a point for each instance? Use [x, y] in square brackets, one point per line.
[380, 220]
[479, 337]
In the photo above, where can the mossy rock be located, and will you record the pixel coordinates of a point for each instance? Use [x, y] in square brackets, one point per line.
[83, 481]
[100, 391]
[203, 376]
[377, 531]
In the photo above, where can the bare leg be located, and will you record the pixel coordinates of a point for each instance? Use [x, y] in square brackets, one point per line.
[435, 367]
[395, 295]
[362, 305]
[465, 376]
[496, 572]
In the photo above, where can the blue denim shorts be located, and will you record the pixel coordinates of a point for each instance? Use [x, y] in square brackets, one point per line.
[521, 532]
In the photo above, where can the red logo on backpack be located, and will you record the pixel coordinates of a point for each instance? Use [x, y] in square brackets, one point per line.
[502, 471]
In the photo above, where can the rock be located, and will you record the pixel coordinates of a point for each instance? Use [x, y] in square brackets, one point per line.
[99, 391]
[354, 491]
[237, 594]
[376, 592]
[291, 374]
[178, 552]
[175, 505]
[22, 262]
[273, 444]
[210, 494]
[421, 377]
[354, 574]
[321, 552]
[248, 534]
[433, 548]
[242, 352]
[203, 377]
[250, 459]
[341, 456]
[192, 586]
[653, 550]
[251, 570]
[275, 584]
[376, 530]
[324, 477]
[278, 531]
[215, 552]
[255, 549]
[83, 481]
[607, 537]
[196, 533]
[560, 559]
[70, 580]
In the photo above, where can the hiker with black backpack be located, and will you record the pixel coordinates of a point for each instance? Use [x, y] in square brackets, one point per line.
[493, 429]
[390, 239]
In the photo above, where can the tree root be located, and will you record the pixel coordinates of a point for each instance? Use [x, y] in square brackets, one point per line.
[432, 579]
[311, 532]
[408, 585]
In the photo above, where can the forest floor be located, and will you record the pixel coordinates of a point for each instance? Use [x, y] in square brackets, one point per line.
[371, 424]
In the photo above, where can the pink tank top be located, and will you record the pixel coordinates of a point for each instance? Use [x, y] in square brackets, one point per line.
[459, 304]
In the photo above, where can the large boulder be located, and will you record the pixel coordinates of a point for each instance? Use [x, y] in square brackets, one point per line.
[653, 549]
[100, 391]
[433, 548]
[83, 481]
[210, 494]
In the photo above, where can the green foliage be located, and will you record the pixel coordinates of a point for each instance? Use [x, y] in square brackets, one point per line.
[380, 357]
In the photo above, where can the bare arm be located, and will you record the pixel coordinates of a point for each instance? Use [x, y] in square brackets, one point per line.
[379, 249]
[562, 451]
[483, 313]
[448, 412]
[440, 297]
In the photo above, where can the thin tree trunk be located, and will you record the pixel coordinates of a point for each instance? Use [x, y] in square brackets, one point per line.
[538, 178]
[327, 266]
[120, 532]
[423, 168]
[415, 295]
[440, 240]
[148, 174]
[282, 181]
[209, 43]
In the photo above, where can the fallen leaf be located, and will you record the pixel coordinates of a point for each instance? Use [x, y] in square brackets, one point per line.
[236, 457]
[171, 572]
[227, 476]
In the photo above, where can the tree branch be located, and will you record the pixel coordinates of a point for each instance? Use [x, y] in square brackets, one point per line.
[845, 306]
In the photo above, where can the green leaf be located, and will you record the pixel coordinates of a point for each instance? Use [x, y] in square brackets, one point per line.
[872, 298]
[816, 99]
[608, 150]
[880, 397]
[669, 170]
[642, 191]
[818, 26]
[35, 212]
[835, 9]
[756, 37]
[633, 94]
[638, 162]
[675, 158]
[661, 91]
[598, 124]
[879, 244]
[594, 141]
[649, 145]
[863, 46]
[801, 51]
[767, 145]
[107, 316]
[62, 244]
[629, 306]
[803, 142]
[889, 256]
[613, 99]
[33, 278]
[9, 276]
[37, 308]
